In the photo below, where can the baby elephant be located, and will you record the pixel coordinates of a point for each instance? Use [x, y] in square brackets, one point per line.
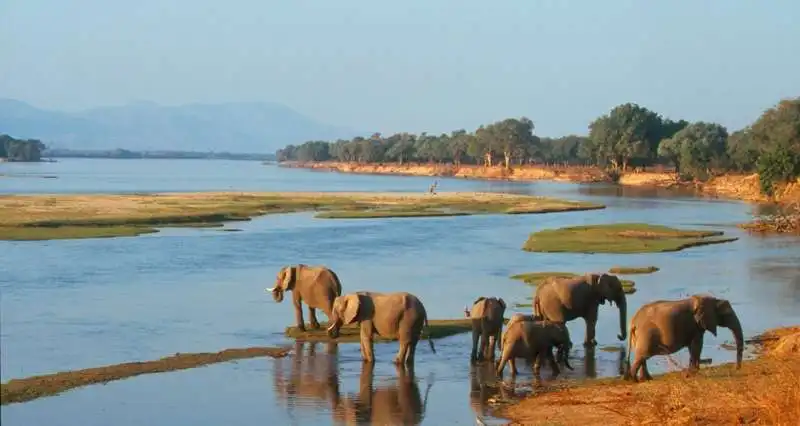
[533, 339]
[487, 325]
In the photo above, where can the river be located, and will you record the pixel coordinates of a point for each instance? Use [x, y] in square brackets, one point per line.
[83, 303]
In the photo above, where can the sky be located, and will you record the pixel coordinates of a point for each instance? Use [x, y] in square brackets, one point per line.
[412, 65]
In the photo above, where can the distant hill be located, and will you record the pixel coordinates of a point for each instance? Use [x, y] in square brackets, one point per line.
[253, 127]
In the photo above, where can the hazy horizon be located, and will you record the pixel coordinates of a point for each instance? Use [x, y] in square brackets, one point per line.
[409, 66]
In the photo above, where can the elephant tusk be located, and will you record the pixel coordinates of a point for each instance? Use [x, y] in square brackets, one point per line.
[269, 289]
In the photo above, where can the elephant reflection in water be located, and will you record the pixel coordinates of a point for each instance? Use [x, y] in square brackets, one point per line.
[313, 378]
[392, 404]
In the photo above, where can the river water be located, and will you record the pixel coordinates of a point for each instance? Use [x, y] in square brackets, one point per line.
[84, 303]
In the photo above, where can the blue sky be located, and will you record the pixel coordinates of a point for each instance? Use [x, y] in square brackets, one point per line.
[410, 65]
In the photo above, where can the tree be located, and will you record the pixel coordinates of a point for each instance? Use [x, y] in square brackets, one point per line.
[628, 132]
[696, 149]
[459, 145]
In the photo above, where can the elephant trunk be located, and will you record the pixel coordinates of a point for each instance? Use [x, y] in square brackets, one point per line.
[736, 327]
[623, 318]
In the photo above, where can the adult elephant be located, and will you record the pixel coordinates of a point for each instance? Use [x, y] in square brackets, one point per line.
[565, 299]
[664, 327]
[400, 315]
[317, 286]
[487, 326]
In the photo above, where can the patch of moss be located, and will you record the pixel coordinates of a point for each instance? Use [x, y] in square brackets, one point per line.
[30, 388]
[619, 238]
[351, 333]
[536, 278]
[622, 270]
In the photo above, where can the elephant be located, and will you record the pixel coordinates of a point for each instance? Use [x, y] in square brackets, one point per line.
[534, 341]
[400, 403]
[398, 314]
[487, 326]
[317, 286]
[663, 327]
[565, 299]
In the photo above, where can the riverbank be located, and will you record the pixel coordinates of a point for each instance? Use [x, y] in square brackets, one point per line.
[765, 391]
[733, 186]
[55, 216]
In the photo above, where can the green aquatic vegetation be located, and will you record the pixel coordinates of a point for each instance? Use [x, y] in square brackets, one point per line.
[623, 270]
[619, 238]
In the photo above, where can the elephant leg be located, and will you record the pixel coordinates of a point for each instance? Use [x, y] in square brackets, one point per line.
[402, 353]
[312, 315]
[591, 324]
[536, 362]
[553, 363]
[484, 348]
[412, 349]
[695, 348]
[646, 372]
[475, 337]
[366, 342]
[298, 314]
[638, 360]
[513, 362]
[490, 348]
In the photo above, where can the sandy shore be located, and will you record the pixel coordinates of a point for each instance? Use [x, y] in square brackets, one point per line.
[765, 391]
[734, 186]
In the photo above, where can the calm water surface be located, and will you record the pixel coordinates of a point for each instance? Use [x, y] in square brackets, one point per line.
[84, 303]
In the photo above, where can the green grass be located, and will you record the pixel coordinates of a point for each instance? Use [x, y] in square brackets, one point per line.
[71, 232]
[351, 333]
[536, 278]
[623, 270]
[622, 238]
[38, 217]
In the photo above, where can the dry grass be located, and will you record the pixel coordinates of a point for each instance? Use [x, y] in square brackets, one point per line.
[30, 388]
[766, 391]
[619, 238]
[84, 216]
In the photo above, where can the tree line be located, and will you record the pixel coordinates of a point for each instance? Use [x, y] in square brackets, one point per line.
[20, 149]
[628, 136]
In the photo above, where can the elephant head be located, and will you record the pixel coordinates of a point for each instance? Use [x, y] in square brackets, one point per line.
[609, 287]
[285, 281]
[710, 312]
[347, 309]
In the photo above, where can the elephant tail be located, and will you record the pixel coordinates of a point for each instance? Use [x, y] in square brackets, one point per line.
[428, 332]
[537, 308]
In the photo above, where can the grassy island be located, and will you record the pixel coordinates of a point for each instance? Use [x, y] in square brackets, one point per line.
[626, 270]
[45, 217]
[30, 388]
[350, 333]
[536, 278]
[619, 238]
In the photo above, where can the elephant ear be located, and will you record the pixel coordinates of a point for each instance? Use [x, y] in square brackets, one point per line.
[478, 300]
[600, 284]
[705, 313]
[289, 274]
[351, 308]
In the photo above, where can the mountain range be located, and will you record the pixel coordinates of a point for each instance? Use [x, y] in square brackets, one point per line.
[252, 127]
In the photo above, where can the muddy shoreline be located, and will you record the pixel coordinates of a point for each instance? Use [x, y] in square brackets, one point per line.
[743, 187]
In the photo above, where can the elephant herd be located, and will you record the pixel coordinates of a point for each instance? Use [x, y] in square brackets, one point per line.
[660, 327]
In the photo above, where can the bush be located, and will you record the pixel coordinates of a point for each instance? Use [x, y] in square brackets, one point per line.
[775, 166]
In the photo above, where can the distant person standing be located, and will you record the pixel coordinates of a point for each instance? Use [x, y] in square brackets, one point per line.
[432, 189]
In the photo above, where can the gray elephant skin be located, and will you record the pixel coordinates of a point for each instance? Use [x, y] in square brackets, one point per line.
[565, 299]
[664, 327]
[534, 340]
[398, 315]
[487, 316]
[316, 286]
